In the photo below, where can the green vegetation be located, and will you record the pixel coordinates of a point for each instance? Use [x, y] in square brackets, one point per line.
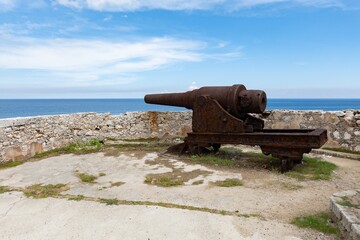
[76, 148]
[343, 150]
[44, 191]
[108, 201]
[87, 178]
[229, 182]
[10, 164]
[231, 157]
[198, 182]
[4, 189]
[76, 198]
[214, 160]
[318, 222]
[102, 174]
[164, 181]
[312, 169]
[345, 203]
[117, 184]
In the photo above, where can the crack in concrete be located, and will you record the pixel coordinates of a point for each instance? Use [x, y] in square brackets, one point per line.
[116, 201]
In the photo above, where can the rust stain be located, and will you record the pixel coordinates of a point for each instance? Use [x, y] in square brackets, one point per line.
[154, 126]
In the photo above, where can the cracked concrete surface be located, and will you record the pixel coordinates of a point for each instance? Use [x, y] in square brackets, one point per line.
[261, 195]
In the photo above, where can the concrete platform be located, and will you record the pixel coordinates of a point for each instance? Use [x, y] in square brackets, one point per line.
[261, 209]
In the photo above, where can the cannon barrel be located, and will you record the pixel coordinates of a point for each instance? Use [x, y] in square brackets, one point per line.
[234, 99]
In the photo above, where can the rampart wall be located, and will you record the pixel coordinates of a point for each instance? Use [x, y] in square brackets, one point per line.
[22, 138]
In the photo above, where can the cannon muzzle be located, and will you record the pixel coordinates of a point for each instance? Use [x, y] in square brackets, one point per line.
[235, 99]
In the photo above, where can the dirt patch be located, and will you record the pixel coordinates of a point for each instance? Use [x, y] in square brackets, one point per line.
[177, 174]
[114, 152]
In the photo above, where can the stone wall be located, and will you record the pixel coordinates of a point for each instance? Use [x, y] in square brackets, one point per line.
[21, 138]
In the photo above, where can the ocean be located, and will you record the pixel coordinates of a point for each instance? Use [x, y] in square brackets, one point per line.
[10, 108]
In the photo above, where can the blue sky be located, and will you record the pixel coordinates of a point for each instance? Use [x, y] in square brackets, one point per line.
[128, 48]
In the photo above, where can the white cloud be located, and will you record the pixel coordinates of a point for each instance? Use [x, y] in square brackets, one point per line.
[69, 55]
[193, 86]
[232, 5]
[7, 4]
[72, 3]
[89, 60]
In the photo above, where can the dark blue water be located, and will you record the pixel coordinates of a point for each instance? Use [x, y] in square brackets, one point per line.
[35, 107]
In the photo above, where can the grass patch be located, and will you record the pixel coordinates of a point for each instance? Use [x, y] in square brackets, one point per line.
[318, 222]
[214, 160]
[4, 189]
[102, 174]
[10, 164]
[312, 169]
[345, 203]
[108, 201]
[229, 182]
[164, 181]
[77, 148]
[76, 198]
[198, 182]
[343, 150]
[231, 157]
[44, 191]
[87, 178]
[117, 184]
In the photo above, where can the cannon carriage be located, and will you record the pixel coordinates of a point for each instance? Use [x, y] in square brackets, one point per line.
[222, 115]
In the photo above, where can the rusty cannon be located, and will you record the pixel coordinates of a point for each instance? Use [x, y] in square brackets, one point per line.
[222, 115]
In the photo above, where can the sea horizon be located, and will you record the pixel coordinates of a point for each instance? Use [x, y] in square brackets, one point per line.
[12, 108]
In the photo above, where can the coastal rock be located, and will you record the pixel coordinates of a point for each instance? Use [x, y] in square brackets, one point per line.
[349, 116]
[340, 113]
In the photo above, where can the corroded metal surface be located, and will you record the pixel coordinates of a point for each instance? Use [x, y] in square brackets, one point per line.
[221, 115]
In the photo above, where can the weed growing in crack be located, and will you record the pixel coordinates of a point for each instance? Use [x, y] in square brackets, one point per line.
[44, 191]
[229, 182]
[164, 181]
[87, 178]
